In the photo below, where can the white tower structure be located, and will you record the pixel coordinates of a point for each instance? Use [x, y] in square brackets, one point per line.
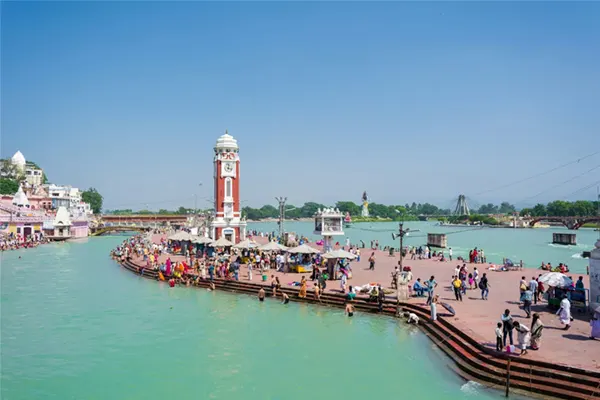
[19, 160]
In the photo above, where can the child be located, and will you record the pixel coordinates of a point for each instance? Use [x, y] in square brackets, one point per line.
[499, 336]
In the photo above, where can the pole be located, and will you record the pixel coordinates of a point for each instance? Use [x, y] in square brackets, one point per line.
[507, 378]
[401, 238]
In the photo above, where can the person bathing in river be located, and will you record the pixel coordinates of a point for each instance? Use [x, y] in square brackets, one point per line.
[349, 309]
[261, 294]
[284, 298]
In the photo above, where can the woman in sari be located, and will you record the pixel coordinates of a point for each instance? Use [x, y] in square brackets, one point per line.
[536, 331]
[302, 293]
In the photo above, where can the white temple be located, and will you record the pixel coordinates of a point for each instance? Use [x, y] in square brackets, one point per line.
[19, 160]
[20, 199]
[62, 223]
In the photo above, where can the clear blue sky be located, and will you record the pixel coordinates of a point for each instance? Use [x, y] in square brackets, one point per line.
[325, 99]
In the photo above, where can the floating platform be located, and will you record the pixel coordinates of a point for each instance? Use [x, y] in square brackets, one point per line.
[568, 239]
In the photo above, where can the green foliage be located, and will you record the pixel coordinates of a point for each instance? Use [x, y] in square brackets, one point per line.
[94, 199]
[561, 208]
[474, 218]
[8, 186]
[504, 208]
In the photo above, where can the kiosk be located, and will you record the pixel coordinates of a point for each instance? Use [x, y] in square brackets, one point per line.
[328, 223]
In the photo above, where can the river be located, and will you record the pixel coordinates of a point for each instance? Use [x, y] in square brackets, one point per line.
[75, 325]
[530, 245]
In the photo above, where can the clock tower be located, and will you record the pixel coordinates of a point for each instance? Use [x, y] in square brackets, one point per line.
[228, 221]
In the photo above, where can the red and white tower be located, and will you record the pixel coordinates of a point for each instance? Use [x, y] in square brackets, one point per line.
[228, 221]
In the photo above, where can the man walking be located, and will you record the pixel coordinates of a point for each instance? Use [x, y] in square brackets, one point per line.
[533, 286]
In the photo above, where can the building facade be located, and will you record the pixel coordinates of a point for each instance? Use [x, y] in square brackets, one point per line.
[227, 222]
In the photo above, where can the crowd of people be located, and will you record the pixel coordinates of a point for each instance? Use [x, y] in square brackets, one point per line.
[15, 241]
[209, 263]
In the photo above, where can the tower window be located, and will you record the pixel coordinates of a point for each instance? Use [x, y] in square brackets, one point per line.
[228, 189]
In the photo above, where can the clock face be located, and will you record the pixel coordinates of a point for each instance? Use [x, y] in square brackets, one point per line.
[228, 167]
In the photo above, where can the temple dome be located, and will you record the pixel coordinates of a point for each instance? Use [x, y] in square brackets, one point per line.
[20, 199]
[18, 159]
[226, 142]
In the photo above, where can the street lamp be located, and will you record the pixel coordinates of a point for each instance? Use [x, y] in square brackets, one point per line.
[401, 233]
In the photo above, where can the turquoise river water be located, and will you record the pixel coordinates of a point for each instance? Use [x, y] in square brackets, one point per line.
[530, 245]
[75, 325]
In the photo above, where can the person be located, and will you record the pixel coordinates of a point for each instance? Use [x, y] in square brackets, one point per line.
[349, 309]
[284, 298]
[595, 324]
[380, 298]
[419, 288]
[450, 253]
[431, 285]
[533, 285]
[507, 327]
[484, 285]
[413, 319]
[536, 331]
[433, 307]
[564, 312]
[579, 285]
[303, 284]
[540, 289]
[317, 293]
[457, 284]
[527, 296]
[351, 294]
[523, 336]
[499, 336]
[372, 261]
[261, 294]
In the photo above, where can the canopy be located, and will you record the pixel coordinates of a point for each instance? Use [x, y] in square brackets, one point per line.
[246, 244]
[555, 279]
[180, 236]
[272, 246]
[303, 249]
[201, 240]
[221, 242]
[339, 254]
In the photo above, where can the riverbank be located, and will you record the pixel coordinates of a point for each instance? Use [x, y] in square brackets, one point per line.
[451, 337]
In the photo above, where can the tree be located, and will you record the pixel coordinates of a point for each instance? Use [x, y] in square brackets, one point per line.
[539, 210]
[8, 186]
[94, 199]
[506, 208]
[348, 207]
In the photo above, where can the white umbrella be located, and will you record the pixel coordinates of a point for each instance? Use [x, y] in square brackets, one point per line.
[201, 240]
[246, 244]
[555, 279]
[221, 242]
[177, 236]
[339, 254]
[303, 249]
[272, 246]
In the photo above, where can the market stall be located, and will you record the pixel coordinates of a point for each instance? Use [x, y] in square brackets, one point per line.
[301, 259]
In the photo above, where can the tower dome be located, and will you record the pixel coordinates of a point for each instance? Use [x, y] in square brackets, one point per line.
[18, 159]
[226, 142]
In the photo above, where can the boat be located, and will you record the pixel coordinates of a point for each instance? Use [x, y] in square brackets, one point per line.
[347, 220]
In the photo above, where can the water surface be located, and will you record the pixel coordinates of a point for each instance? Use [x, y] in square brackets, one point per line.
[77, 326]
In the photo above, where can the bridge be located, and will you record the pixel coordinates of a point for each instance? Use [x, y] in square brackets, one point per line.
[103, 230]
[573, 223]
[155, 219]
